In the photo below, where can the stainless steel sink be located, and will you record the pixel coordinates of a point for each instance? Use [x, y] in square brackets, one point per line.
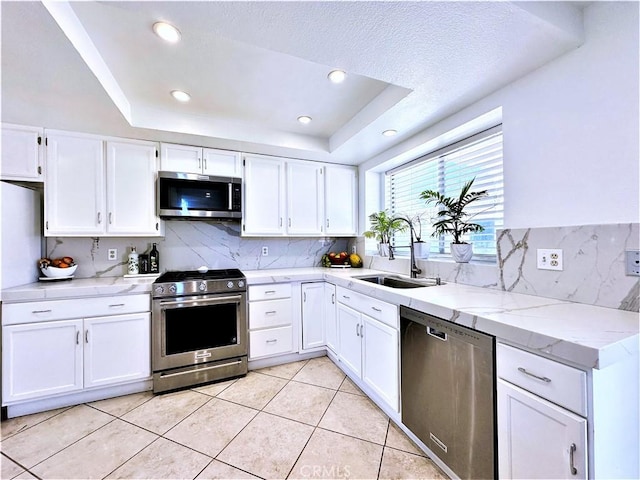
[397, 281]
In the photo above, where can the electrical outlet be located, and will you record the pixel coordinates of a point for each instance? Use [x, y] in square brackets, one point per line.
[549, 259]
[112, 254]
[265, 251]
[353, 249]
[632, 263]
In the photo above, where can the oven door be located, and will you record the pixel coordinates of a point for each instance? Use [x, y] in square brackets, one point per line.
[198, 329]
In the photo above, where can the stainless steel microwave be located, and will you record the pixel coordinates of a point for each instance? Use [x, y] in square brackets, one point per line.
[190, 195]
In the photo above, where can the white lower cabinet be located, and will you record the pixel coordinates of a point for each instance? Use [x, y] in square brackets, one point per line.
[56, 356]
[117, 349]
[369, 342]
[538, 434]
[538, 439]
[331, 317]
[270, 320]
[318, 314]
[41, 359]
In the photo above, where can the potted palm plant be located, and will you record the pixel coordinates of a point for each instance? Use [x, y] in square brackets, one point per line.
[382, 227]
[452, 218]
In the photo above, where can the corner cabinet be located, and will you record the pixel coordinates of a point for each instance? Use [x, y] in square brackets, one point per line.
[90, 193]
[298, 198]
[21, 153]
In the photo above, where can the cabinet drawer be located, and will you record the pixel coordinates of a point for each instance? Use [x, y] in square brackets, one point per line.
[372, 307]
[272, 341]
[29, 312]
[559, 383]
[269, 292]
[271, 313]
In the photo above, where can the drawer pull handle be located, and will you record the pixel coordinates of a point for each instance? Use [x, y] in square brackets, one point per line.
[344, 296]
[544, 379]
[40, 311]
[269, 292]
[376, 309]
[116, 305]
[272, 312]
[275, 340]
[572, 468]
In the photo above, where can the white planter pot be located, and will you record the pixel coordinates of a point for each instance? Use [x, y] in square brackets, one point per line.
[383, 249]
[462, 252]
[421, 249]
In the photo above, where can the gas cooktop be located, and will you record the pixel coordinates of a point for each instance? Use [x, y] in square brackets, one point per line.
[189, 275]
[173, 284]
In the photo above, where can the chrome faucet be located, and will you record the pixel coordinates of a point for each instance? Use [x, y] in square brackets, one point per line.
[415, 271]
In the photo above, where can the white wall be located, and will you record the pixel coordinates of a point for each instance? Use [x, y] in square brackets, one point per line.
[571, 130]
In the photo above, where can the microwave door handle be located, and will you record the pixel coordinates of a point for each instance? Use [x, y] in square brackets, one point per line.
[230, 196]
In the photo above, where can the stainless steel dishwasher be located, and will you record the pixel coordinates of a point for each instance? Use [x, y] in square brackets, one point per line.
[448, 392]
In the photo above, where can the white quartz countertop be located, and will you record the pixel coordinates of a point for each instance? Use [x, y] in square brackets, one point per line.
[585, 335]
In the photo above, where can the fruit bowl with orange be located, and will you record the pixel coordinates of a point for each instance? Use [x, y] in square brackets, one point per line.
[62, 267]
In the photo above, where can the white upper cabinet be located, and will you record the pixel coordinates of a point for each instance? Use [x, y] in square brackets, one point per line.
[21, 153]
[341, 194]
[131, 188]
[294, 197]
[74, 185]
[208, 161]
[305, 196]
[87, 194]
[263, 194]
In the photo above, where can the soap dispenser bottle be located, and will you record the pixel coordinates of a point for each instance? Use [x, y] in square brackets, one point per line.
[133, 267]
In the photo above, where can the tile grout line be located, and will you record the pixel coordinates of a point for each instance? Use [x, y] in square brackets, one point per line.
[20, 465]
[24, 428]
[383, 447]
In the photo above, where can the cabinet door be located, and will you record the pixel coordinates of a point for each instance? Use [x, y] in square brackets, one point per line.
[21, 153]
[74, 185]
[313, 326]
[341, 200]
[349, 326]
[536, 437]
[131, 189]
[180, 158]
[331, 317]
[263, 193]
[305, 192]
[380, 359]
[222, 163]
[41, 359]
[117, 349]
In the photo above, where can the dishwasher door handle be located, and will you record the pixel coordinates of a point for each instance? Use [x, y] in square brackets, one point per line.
[437, 333]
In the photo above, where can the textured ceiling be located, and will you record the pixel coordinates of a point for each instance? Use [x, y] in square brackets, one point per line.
[253, 67]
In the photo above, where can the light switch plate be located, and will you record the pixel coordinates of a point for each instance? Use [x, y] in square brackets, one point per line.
[632, 263]
[549, 259]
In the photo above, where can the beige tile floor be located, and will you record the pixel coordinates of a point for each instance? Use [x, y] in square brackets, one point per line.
[301, 420]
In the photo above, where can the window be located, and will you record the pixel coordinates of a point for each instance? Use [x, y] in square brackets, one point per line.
[447, 170]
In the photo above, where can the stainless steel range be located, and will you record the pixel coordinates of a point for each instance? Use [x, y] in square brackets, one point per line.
[199, 328]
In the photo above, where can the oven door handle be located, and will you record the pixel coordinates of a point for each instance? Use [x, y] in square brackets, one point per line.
[206, 301]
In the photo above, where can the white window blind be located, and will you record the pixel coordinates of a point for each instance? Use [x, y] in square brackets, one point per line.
[447, 170]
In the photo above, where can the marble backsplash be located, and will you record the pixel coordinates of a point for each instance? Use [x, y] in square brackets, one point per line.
[188, 245]
[593, 258]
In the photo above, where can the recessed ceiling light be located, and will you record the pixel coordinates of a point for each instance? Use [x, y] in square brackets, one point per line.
[180, 95]
[337, 76]
[389, 133]
[304, 119]
[166, 32]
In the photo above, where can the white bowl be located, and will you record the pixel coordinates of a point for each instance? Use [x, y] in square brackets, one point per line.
[55, 272]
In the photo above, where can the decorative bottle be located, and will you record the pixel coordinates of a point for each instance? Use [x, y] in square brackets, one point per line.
[133, 267]
[154, 260]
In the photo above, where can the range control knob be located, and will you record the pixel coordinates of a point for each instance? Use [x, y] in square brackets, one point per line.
[240, 284]
[202, 286]
[229, 284]
[172, 288]
[159, 289]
